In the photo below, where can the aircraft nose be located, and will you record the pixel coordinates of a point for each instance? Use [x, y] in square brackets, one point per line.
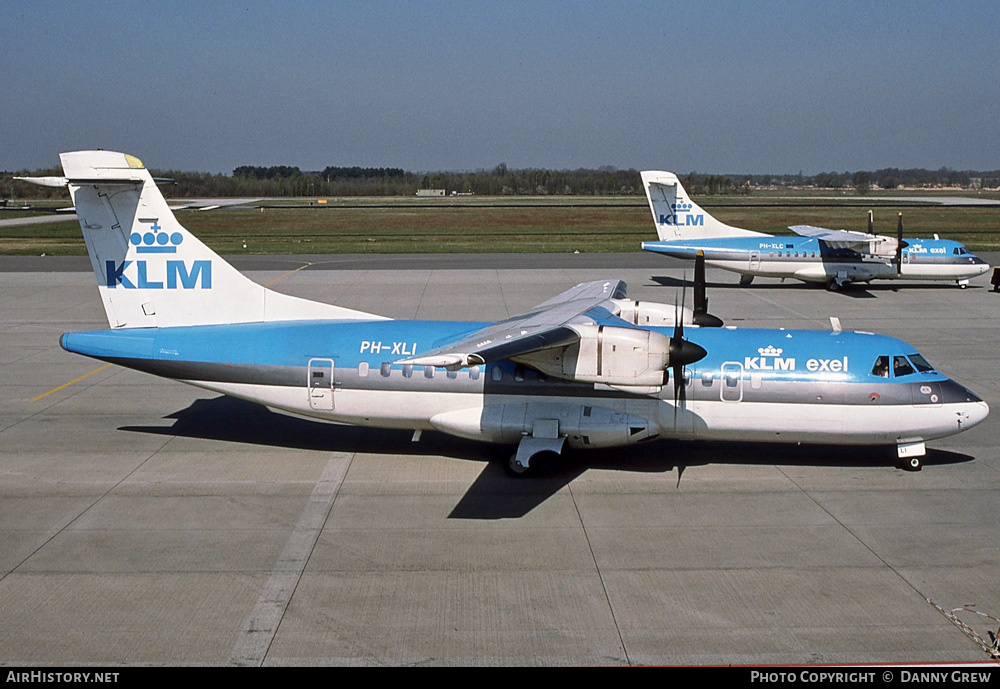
[978, 412]
[973, 397]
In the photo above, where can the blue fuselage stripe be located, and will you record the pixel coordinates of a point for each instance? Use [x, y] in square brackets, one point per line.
[789, 355]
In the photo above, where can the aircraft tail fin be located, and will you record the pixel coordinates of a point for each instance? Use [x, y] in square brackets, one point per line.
[153, 272]
[676, 216]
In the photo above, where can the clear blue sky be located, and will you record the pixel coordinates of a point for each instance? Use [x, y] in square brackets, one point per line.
[708, 86]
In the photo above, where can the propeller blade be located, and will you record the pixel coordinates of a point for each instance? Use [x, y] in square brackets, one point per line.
[701, 315]
[682, 352]
[899, 245]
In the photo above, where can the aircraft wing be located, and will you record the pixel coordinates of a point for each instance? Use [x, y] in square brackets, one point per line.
[838, 239]
[546, 326]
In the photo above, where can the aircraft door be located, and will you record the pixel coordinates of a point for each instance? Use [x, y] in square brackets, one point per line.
[732, 381]
[321, 384]
[754, 260]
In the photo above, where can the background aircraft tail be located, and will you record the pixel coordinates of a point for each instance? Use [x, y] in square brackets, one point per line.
[152, 271]
[676, 216]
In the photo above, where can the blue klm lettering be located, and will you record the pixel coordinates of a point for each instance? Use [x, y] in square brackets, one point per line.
[689, 220]
[200, 275]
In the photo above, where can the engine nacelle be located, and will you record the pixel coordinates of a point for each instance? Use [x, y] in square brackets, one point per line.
[884, 247]
[645, 313]
[609, 355]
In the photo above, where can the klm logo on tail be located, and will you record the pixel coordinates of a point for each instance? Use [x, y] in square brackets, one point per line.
[171, 275]
[688, 220]
[177, 275]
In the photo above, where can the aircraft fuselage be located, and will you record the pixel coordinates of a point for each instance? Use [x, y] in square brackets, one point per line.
[764, 385]
[813, 260]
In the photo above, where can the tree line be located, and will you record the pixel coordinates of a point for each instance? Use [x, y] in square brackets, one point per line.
[289, 181]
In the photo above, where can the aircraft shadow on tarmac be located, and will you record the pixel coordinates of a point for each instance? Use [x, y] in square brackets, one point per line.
[495, 495]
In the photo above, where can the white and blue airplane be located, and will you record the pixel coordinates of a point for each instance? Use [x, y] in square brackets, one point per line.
[586, 369]
[831, 257]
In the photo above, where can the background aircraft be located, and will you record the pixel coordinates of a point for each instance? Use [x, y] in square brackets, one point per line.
[833, 257]
[585, 369]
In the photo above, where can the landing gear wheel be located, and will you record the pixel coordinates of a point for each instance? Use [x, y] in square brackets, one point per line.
[514, 468]
[913, 463]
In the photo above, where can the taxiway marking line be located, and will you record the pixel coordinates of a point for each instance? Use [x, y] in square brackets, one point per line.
[291, 272]
[66, 385]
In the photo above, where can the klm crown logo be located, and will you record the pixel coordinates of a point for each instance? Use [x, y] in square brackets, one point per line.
[770, 359]
[155, 241]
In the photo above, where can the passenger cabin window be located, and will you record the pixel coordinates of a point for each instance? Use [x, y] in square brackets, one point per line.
[363, 369]
[706, 379]
[881, 367]
[428, 371]
[497, 373]
[407, 370]
[385, 369]
[474, 373]
[901, 367]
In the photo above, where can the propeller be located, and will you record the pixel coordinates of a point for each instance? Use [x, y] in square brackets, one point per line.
[899, 245]
[682, 352]
[701, 315]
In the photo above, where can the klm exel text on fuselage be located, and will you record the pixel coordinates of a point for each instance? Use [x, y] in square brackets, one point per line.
[770, 359]
[171, 275]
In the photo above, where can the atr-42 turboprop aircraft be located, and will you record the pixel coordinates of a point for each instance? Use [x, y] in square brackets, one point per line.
[587, 368]
[833, 257]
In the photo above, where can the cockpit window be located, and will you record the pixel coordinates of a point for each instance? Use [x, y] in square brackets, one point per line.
[881, 367]
[961, 251]
[901, 367]
[920, 363]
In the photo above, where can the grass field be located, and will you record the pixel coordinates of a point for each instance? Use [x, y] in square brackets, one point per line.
[511, 224]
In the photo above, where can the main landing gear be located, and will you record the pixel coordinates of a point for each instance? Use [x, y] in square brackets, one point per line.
[530, 450]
